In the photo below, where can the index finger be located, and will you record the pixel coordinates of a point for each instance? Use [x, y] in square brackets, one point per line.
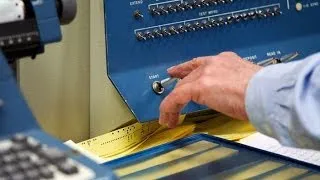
[172, 105]
[182, 70]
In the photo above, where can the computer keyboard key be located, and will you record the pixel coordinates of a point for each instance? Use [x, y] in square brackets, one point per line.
[33, 144]
[4, 177]
[18, 176]
[40, 163]
[25, 166]
[67, 168]
[19, 138]
[2, 173]
[10, 169]
[46, 173]
[9, 159]
[53, 154]
[23, 156]
[4, 151]
[33, 174]
[17, 147]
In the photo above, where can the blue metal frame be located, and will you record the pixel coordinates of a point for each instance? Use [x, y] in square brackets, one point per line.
[15, 116]
[134, 65]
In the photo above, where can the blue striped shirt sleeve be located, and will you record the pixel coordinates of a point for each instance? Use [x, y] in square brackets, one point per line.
[283, 102]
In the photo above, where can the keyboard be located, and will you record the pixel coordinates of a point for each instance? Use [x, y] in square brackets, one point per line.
[25, 157]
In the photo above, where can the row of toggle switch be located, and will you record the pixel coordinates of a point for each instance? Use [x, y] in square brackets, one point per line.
[207, 23]
[158, 10]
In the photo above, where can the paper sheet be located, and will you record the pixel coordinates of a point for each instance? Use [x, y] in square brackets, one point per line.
[83, 151]
[226, 128]
[161, 136]
[261, 141]
[137, 137]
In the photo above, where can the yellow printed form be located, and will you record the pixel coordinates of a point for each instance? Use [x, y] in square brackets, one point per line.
[226, 128]
[134, 138]
[119, 141]
[138, 137]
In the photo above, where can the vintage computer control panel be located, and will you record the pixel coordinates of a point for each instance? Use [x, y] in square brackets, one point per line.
[145, 37]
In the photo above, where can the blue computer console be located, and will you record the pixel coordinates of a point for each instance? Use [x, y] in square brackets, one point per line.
[144, 38]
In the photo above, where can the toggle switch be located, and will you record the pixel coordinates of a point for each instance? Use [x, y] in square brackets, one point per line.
[196, 4]
[165, 32]
[268, 12]
[229, 19]
[222, 21]
[163, 11]
[214, 23]
[244, 16]
[261, 14]
[188, 5]
[213, 2]
[252, 14]
[206, 24]
[277, 11]
[180, 7]
[159, 86]
[140, 36]
[182, 29]
[157, 33]
[137, 14]
[198, 26]
[237, 17]
[149, 35]
[155, 12]
[204, 3]
[173, 30]
[189, 27]
[171, 8]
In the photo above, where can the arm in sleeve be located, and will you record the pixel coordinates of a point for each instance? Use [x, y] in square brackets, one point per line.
[283, 102]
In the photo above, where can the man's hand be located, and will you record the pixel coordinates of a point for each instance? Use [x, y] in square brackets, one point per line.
[219, 82]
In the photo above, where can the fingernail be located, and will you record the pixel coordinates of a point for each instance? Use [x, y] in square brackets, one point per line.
[172, 124]
[161, 119]
[169, 69]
